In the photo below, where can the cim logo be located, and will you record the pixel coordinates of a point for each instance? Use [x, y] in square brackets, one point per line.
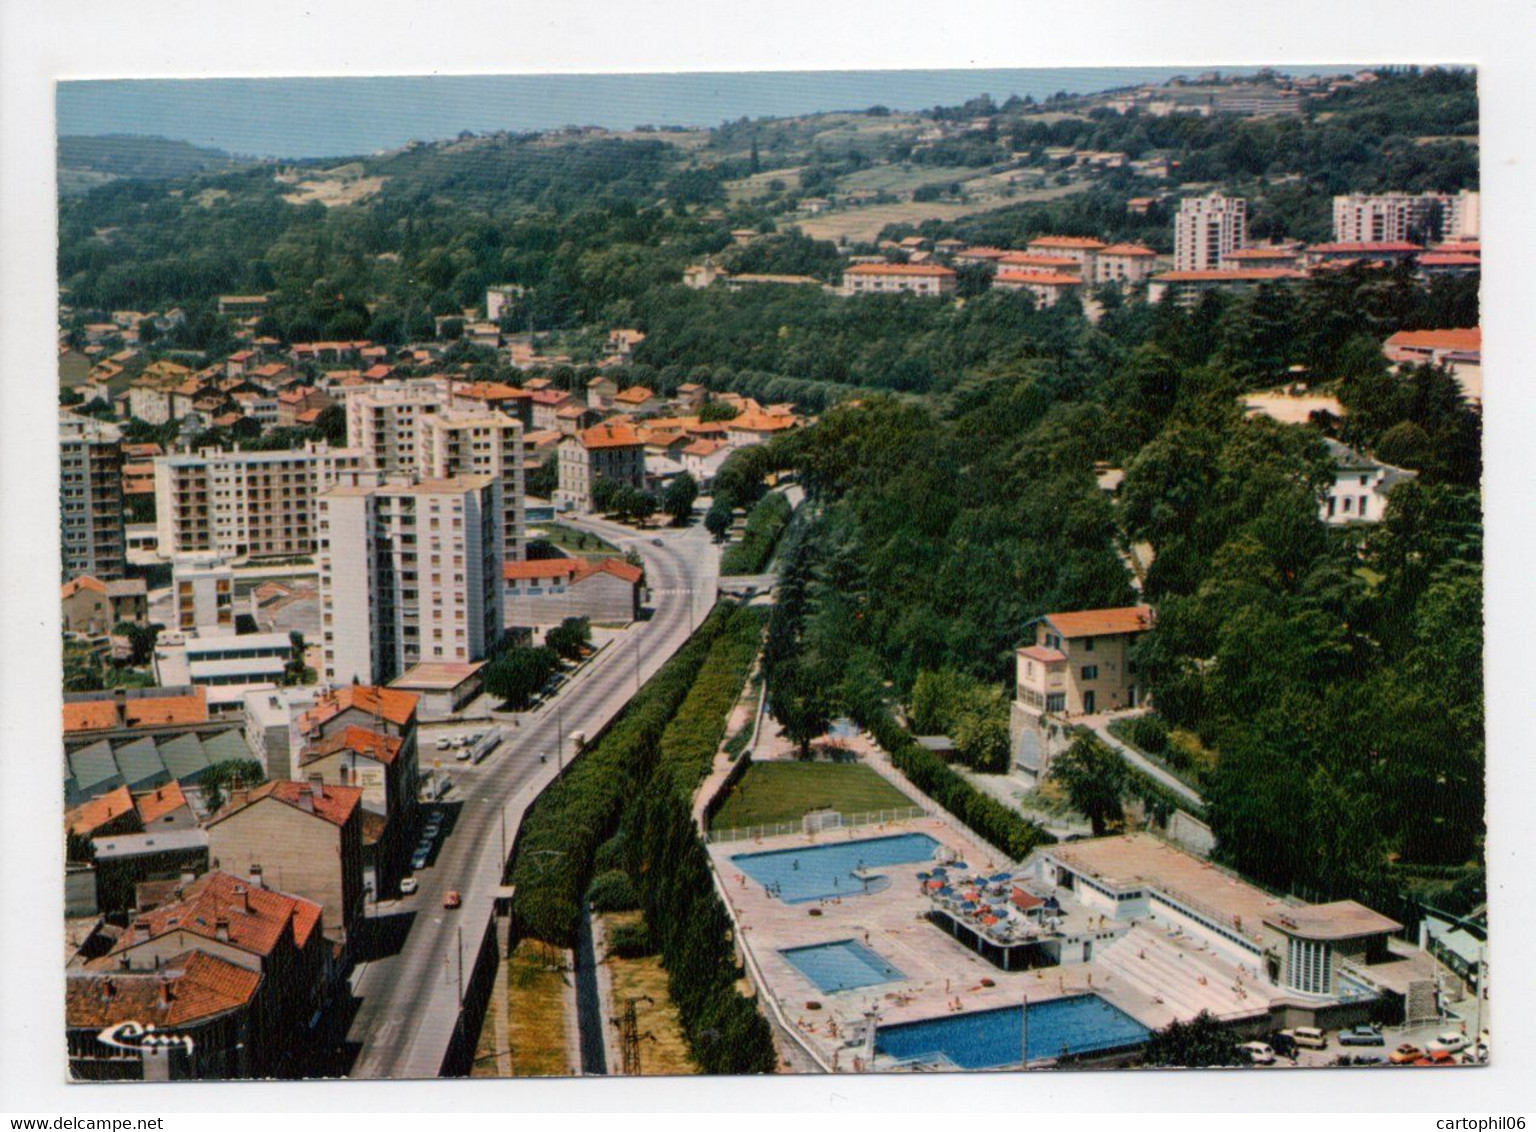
[138, 1037]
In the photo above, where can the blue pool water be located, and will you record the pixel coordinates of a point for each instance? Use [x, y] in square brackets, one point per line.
[840, 966]
[817, 871]
[989, 1039]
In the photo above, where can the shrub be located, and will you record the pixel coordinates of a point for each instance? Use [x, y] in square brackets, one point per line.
[1149, 732]
[765, 523]
[631, 941]
[612, 891]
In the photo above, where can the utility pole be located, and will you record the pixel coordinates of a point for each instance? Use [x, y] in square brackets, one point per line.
[630, 1036]
[461, 965]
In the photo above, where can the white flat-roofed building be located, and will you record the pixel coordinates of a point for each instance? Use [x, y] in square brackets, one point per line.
[1206, 229]
[409, 571]
[924, 279]
[203, 594]
[244, 504]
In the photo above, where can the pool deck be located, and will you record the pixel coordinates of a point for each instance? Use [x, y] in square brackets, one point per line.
[1151, 974]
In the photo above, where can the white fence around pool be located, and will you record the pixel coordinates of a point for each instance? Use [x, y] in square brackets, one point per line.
[817, 822]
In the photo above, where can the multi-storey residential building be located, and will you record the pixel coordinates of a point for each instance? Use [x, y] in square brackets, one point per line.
[886, 278]
[611, 452]
[1124, 265]
[91, 535]
[93, 607]
[1046, 287]
[1207, 229]
[1384, 218]
[410, 570]
[244, 504]
[425, 428]
[203, 589]
[1075, 663]
[463, 442]
[1081, 250]
[305, 837]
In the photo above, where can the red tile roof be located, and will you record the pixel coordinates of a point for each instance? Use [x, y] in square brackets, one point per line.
[1449, 259]
[1042, 654]
[1242, 275]
[915, 269]
[83, 582]
[190, 988]
[1086, 242]
[1039, 278]
[575, 569]
[1101, 622]
[371, 744]
[334, 804]
[610, 436]
[1127, 249]
[634, 395]
[257, 918]
[102, 714]
[1385, 247]
[392, 704]
[155, 804]
[1470, 338]
[1263, 253]
[87, 818]
[1024, 259]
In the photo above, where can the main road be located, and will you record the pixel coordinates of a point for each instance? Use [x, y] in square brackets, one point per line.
[409, 997]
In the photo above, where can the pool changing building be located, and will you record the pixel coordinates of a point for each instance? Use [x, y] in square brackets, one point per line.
[1324, 964]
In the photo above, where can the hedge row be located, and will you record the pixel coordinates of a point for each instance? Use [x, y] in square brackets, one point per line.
[671, 869]
[553, 860]
[994, 822]
[765, 523]
[1160, 801]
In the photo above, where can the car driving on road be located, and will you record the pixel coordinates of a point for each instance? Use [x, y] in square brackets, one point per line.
[452, 899]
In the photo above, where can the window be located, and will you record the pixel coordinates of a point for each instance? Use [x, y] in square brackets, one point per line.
[1087, 644]
[1056, 701]
[1090, 672]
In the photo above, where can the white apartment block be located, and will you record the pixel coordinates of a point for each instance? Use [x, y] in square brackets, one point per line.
[91, 529]
[890, 278]
[410, 571]
[1206, 229]
[1382, 218]
[414, 428]
[245, 504]
[203, 588]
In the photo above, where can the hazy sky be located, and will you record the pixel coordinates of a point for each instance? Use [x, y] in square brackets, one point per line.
[326, 117]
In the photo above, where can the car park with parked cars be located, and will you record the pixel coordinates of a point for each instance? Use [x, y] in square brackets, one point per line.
[1405, 1054]
[1449, 1041]
[1258, 1053]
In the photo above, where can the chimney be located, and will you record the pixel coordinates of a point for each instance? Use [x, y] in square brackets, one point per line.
[140, 931]
[256, 878]
[108, 988]
[317, 784]
[165, 991]
[242, 898]
[120, 702]
[221, 929]
[306, 801]
[187, 878]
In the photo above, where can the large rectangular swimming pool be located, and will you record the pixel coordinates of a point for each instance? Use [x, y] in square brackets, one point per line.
[817, 872]
[843, 965]
[989, 1039]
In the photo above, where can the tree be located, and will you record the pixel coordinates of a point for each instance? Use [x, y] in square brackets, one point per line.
[543, 481]
[802, 704]
[515, 675]
[1094, 778]
[332, 423]
[605, 495]
[717, 520]
[294, 670]
[717, 411]
[141, 641]
[1200, 1042]
[233, 774]
[677, 500]
[981, 734]
[570, 638]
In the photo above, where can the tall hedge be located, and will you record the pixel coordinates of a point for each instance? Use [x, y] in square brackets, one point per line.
[672, 871]
[553, 860]
[765, 523]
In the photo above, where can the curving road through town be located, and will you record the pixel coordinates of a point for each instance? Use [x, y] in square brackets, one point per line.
[408, 991]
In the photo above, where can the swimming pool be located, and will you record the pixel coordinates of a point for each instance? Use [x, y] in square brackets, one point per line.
[818, 871]
[989, 1039]
[842, 965]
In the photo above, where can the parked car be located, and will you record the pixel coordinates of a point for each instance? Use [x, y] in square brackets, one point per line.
[1405, 1054]
[407, 886]
[452, 899]
[1283, 1044]
[445, 743]
[419, 859]
[657, 542]
[1308, 1037]
[1258, 1053]
[462, 741]
[1450, 1041]
[1362, 1036]
[1436, 1057]
[462, 754]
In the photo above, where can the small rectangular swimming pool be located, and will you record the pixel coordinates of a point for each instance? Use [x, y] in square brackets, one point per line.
[816, 872]
[989, 1039]
[842, 965]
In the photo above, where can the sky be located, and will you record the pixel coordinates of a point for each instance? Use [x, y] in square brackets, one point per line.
[331, 117]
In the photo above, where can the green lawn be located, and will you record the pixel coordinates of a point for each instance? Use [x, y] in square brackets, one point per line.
[576, 542]
[786, 792]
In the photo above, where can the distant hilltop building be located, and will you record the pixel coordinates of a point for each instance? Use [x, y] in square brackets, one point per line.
[1207, 229]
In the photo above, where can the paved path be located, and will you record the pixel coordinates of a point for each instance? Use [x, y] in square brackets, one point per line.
[409, 997]
[1099, 725]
